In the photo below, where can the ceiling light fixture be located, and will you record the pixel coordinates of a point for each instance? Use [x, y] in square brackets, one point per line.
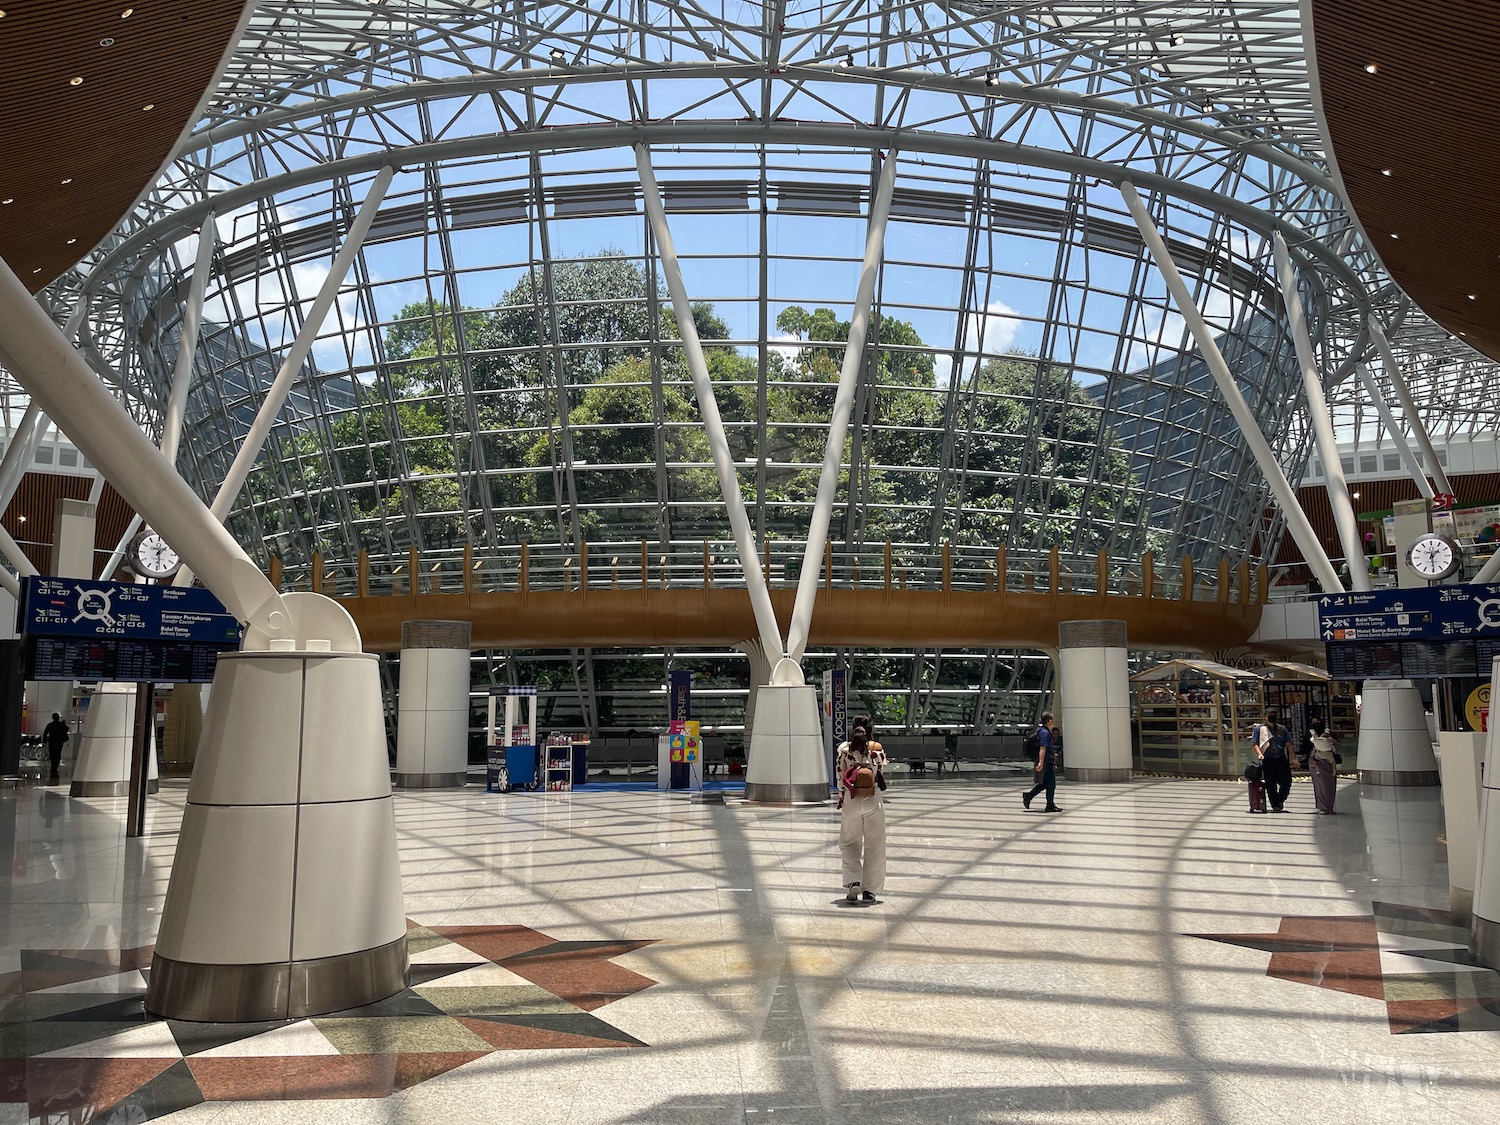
[69, 180]
[10, 200]
[149, 106]
[125, 15]
[106, 42]
[558, 55]
[847, 62]
[71, 241]
[1385, 171]
[1371, 68]
[75, 81]
[992, 78]
[1473, 296]
[1395, 235]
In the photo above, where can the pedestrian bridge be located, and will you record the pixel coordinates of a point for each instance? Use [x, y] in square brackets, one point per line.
[616, 595]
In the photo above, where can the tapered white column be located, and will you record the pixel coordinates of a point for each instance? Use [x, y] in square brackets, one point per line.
[1094, 686]
[1395, 744]
[432, 720]
[101, 767]
[1393, 427]
[843, 406]
[1296, 519]
[1409, 407]
[708, 406]
[1484, 941]
[1322, 422]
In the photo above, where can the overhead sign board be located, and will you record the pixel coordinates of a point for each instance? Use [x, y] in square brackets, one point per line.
[75, 607]
[1432, 613]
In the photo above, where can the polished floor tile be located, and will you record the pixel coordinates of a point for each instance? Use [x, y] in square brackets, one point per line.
[1152, 954]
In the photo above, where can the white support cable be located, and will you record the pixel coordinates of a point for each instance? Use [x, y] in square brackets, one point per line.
[1393, 427]
[14, 464]
[15, 556]
[1322, 422]
[843, 406]
[42, 360]
[708, 406]
[187, 343]
[1409, 407]
[291, 363]
[1296, 519]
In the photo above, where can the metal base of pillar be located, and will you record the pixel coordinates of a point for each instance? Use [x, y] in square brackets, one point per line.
[1399, 777]
[429, 780]
[252, 993]
[1460, 906]
[1484, 942]
[782, 794]
[107, 788]
[1080, 773]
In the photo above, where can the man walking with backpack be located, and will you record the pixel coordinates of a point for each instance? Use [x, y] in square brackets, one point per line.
[1046, 764]
[1273, 747]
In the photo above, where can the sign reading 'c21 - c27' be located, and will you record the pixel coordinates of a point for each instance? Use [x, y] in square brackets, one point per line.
[75, 607]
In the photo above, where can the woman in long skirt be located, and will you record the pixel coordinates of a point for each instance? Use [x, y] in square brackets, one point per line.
[1325, 757]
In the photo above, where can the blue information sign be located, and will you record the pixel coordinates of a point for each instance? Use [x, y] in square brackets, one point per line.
[76, 607]
[1430, 613]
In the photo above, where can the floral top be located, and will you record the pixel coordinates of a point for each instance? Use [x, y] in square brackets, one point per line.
[847, 757]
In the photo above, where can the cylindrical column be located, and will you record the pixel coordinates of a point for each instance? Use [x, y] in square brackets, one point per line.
[1484, 941]
[1395, 744]
[432, 719]
[102, 766]
[261, 922]
[1094, 677]
[179, 744]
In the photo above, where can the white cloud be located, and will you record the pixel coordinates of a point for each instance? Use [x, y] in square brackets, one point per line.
[987, 334]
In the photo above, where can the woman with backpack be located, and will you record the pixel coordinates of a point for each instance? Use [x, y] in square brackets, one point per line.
[861, 765]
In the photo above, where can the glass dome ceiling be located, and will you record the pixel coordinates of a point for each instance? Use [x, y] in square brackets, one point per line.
[502, 363]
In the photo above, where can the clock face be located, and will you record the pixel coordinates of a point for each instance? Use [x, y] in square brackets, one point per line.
[154, 556]
[1433, 556]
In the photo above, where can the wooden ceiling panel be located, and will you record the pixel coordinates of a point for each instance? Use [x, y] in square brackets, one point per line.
[76, 157]
[1417, 142]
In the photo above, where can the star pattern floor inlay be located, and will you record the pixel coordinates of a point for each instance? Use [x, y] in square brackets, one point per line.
[1413, 958]
[76, 1042]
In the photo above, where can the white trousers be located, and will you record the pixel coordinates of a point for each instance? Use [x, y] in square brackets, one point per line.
[862, 842]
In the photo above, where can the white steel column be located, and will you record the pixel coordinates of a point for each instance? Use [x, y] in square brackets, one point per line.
[1403, 447]
[187, 342]
[42, 360]
[14, 464]
[182, 378]
[14, 555]
[1296, 519]
[708, 406]
[1322, 422]
[843, 406]
[1409, 407]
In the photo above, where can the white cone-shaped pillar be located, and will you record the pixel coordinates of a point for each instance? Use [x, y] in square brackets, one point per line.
[1395, 743]
[432, 724]
[285, 898]
[1484, 941]
[1094, 677]
[102, 767]
[786, 746]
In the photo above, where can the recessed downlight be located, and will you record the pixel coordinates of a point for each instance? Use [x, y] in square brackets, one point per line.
[125, 15]
[1371, 68]
[1473, 296]
[149, 106]
[71, 241]
[69, 180]
[1385, 172]
[106, 42]
[76, 80]
[11, 200]
[1395, 235]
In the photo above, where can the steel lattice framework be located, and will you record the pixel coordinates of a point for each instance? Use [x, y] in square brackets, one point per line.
[501, 366]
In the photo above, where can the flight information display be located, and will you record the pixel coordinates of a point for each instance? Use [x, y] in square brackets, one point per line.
[108, 661]
[73, 607]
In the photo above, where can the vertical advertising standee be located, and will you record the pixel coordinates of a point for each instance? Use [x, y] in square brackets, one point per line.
[680, 703]
[835, 715]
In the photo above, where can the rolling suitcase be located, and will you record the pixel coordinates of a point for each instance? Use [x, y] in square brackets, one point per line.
[1258, 796]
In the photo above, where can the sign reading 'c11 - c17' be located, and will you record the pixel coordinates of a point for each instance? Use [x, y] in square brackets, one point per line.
[74, 607]
[1417, 632]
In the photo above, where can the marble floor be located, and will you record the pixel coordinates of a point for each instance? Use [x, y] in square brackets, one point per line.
[1151, 954]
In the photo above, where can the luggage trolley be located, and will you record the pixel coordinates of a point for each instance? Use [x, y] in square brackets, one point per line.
[511, 758]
